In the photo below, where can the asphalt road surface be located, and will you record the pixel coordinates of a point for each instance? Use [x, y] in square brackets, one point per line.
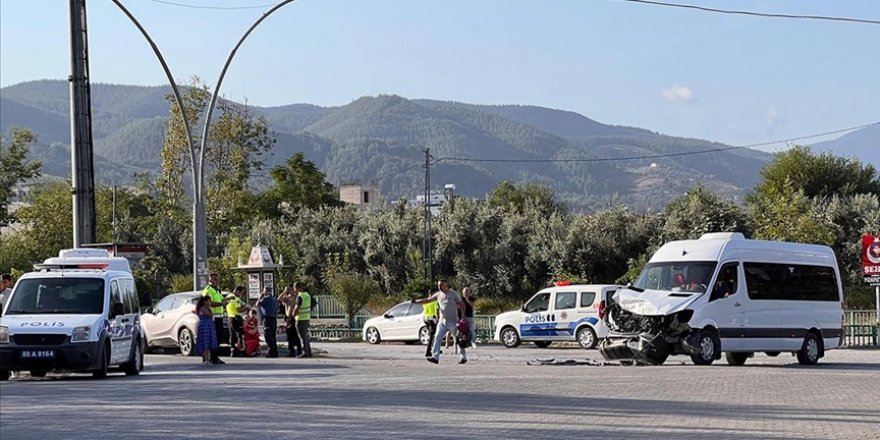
[358, 391]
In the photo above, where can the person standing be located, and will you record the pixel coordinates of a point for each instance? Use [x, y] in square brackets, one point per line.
[303, 312]
[5, 290]
[206, 339]
[268, 306]
[288, 298]
[469, 301]
[215, 303]
[235, 309]
[429, 315]
[451, 307]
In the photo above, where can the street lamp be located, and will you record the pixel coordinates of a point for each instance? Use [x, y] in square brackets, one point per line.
[197, 154]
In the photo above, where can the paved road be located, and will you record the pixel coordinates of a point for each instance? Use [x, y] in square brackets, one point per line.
[357, 391]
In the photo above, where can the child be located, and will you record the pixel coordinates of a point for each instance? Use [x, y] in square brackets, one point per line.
[251, 335]
[206, 339]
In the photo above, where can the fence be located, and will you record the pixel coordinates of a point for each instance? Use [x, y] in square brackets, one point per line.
[860, 328]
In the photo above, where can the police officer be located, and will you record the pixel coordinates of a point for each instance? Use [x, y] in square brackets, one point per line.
[303, 313]
[235, 307]
[269, 312]
[212, 291]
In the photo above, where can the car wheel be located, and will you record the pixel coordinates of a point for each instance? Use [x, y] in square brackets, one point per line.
[772, 354]
[708, 345]
[509, 337]
[736, 358]
[373, 336]
[136, 364]
[101, 372]
[809, 352]
[424, 336]
[542, 344]
[185, 342]
[38, 373]
[587, 338]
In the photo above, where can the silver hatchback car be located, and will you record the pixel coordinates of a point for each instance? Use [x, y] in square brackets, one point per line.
[173, 323]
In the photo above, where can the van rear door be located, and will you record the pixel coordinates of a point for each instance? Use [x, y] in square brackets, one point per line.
[121, 323]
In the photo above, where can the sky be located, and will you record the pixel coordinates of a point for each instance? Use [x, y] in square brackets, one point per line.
[734, 79]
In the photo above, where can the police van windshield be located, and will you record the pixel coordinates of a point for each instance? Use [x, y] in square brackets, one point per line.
[57, 296]
[677, 277]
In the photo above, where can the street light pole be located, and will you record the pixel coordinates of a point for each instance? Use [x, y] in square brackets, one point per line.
[197, 155]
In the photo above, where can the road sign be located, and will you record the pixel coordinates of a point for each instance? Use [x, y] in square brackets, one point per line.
[871, 259]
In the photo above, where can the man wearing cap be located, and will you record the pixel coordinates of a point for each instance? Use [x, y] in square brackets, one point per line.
[235, 307]
[216, 302]
[5, 290]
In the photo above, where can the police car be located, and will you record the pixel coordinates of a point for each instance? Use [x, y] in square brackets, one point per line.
[78, 312]
[564, 312]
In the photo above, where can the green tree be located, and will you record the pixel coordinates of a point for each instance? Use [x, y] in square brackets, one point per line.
[514, 198]
[297, 184]
[15, 167]
[817, 175]
[352, 290]
[787, 214]
[699, 212]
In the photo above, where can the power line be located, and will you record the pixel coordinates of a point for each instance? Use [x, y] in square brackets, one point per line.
[653, 156]
[187, 5]
[758, 14]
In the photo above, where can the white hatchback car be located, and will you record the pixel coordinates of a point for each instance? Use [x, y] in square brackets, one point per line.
[402, 322]
[173, 323]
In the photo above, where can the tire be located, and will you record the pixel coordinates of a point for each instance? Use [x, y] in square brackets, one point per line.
[810, 350]
[38, 373]
[136, 364]
[101, 372]
[186, 342]
[736, 358]
[373, 336]
[424, 336]
[587, 338]
[4, 375]
[509, 337]
[709, 348]
[772, 354]
[543, 344]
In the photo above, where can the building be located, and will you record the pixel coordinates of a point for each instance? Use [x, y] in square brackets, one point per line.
[436, 199]
[362, 196]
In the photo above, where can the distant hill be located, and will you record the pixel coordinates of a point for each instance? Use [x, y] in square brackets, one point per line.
[863, 144]
[385, 137]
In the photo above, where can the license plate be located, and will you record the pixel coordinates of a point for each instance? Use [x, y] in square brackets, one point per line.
[37, 354]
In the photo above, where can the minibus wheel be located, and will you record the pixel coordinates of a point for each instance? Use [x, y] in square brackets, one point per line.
[809, 352]
[708, 348]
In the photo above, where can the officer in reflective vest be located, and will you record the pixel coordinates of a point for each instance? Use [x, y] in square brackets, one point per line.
[303, 313]
[212, 290]
[234, 310]
[429, 315]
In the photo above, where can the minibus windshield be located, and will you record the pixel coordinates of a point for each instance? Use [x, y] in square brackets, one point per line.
[57, 296]
[692, 276]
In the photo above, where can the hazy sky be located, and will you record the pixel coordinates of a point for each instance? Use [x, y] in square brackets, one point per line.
[728, 78]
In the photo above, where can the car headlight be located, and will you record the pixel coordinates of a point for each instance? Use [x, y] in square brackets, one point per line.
[4, 335]
[81, 334]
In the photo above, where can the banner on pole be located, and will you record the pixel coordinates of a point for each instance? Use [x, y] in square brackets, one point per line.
[871, 259]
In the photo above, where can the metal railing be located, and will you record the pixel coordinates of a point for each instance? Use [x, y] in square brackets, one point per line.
[860, 328]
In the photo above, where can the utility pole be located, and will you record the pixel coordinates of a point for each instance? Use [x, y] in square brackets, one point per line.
[428, 254]
[81, 160]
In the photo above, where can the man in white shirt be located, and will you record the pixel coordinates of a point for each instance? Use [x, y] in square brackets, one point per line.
[451, 308]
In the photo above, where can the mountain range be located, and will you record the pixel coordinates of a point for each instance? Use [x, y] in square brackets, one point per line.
[382, 139]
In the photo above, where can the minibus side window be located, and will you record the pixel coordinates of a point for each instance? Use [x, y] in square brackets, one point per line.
[726, 284]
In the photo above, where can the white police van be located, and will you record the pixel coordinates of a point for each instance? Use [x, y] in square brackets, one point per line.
[78, 312]
[565, 312]
[726, 294]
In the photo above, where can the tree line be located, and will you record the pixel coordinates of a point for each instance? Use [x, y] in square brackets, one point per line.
[520, 238]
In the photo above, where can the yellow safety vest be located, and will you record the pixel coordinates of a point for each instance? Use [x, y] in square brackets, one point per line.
[429, 310]
[232, 309]
[215, 296]
[305, 307]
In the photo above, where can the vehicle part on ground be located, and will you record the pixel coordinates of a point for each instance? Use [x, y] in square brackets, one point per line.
[509, 337]
[810, 351]
[373, 336]
[737, 358]
[586, 337]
